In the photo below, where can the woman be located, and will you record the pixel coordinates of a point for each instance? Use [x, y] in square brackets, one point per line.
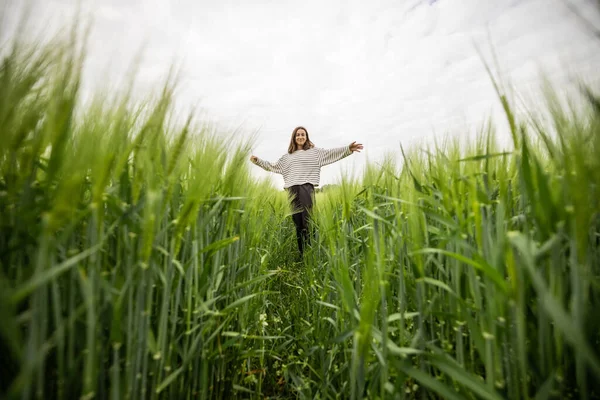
[301, 170]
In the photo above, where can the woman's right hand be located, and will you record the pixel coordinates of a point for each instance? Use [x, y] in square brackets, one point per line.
[253, 159]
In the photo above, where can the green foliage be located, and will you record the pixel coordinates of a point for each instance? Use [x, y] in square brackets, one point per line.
[140, 259]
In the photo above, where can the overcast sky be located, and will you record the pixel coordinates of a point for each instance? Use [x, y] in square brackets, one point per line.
[379, 72]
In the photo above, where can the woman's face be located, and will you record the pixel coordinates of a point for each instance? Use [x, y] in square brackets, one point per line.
[300, 137]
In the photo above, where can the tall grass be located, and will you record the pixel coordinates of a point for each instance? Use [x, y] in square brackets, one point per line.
[140, 259]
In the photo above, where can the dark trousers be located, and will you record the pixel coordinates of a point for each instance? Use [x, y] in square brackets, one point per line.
[302, 198]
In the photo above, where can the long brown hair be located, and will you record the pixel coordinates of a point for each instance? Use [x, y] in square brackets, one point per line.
[307, 145]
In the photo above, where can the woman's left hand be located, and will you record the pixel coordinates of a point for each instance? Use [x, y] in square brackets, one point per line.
[356, 147]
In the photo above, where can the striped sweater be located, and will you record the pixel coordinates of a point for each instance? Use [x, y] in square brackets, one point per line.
[304, 166]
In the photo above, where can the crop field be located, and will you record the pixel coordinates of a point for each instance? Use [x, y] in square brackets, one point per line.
[140, 258]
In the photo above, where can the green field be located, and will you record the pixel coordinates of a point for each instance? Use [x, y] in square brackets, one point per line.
[140, 258]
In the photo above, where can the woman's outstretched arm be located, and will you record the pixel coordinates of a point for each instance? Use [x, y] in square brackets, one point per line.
[269, 166]
[328, 156]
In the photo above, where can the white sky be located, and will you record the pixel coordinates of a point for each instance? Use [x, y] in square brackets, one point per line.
[379, 72]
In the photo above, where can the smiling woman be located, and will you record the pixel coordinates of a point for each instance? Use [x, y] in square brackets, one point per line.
[301, 170]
